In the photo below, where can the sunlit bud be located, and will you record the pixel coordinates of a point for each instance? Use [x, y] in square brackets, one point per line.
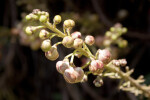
[76, 34]
[57, 19]
[67, 24]
[34, 17]
[114, 36]
[112, 29]
[72, 23]
[46, 45]
[78, 43]
[104, 55]
[107, 42]
[44, 34]
[28, 17]
[85, 78]
[68, 41]
[96, 67]
[61, 66]
[98, 82]
[35, 45]
[52, 54]
[123, 43]
[43, 18]
[29, 30]
[89, 40]
[108, 33]
[123, 62]
[116, 62]
[124, 30]
[73, 75]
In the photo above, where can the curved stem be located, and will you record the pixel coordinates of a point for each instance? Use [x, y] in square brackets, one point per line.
[126, 77]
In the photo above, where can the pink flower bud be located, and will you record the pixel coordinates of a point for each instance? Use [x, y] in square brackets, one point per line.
[96, 67]
[68, 41]
[73, 75]
[61, 66]
[78, 43]
[52, 54]
[89, 40]
[123, 62]
[104, 56]
[76, 34]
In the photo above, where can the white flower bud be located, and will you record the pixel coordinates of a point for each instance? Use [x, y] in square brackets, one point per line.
[76, 34]
[61, 66]
[89, 40]
[46, 45]
[78, 43]
[68, 41]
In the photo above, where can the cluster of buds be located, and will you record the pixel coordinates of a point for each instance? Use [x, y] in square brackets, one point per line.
[99, 64]
[113, 36]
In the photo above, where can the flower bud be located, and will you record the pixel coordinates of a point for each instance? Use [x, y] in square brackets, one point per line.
[98, 82]
[123, 43]
[43, 18]
[68, 41]
[44, 34]
[96, 67]
[104, 56]
[78, 43]
[107, 42]
[124, 30]
[116, 62]
[61, 66]
[89, 40]
[72, 23]
[76, 34]
[57, 19]
[114, 36]
[73, 75]
[80, 74]
[28, 17]
[46, 45]
[29, 30]
[123, 62]
[108, 33]
[36, 11]
[67, 24]
[52, 54]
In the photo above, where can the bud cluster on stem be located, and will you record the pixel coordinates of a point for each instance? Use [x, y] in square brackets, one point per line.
[99, 64]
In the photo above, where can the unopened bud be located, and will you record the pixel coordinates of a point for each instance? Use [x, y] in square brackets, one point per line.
[52, 54]
[116, 62]
[98, 82]
[29, 30]
[68, 41]
[57, 19]
[96, 67]
[108, 33]
[124, 30]
[44, 34]
[72, 23]
[123, 62]
[43, 18]
[46, 45]
[36, 11]
[28, 17]
[123, 43]
[73, 75]
[61, 66]
[67, 24]
[76, 34]
[104, 55]
[78, 43]
[89, 40]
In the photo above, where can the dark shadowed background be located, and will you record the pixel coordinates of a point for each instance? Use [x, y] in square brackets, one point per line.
[26, 74]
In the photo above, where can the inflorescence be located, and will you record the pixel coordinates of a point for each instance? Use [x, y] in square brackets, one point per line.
[99, 64]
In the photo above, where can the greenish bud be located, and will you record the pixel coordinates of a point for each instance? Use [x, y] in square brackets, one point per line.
[124, 30]
[46, 45]
[108, 33]
[43, 18]
[57, 19]
[68, 41]
[29, 30]
[72, 23]
[28, 17]
[123, 43]
[67, 24]
[112, 29]
[114, 36]
[44, 34]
